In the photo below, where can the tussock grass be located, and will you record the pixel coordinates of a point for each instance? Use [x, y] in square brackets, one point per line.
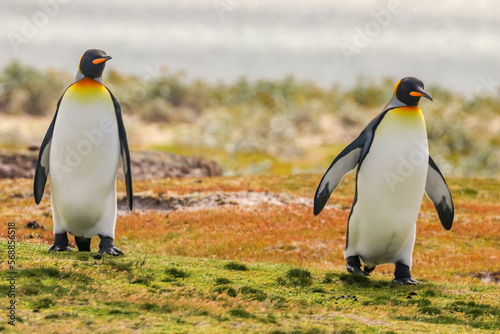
[236, 266]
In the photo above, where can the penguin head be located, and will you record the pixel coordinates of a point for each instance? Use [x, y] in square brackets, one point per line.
[92, 63]
[409, 90]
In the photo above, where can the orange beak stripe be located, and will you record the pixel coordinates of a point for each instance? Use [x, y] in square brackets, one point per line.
[416, 94]
[99, 60]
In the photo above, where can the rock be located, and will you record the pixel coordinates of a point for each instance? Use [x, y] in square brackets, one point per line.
[17, 165]
[146, 165]
[488, 277]
[33, 148]
[33, 225]
[200, 201]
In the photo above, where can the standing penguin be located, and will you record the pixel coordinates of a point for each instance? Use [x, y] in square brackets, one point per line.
[393, 171]
[81, 151]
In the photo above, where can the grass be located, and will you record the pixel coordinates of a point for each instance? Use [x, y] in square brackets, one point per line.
[263, 268]
[236, 266]
[72, 290]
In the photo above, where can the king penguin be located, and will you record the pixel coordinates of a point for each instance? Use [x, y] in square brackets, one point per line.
[81, 152]
[393, 170]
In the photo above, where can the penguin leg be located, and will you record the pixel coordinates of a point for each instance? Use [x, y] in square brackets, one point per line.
[354, 265]
[61, 243]
[83, 244]
[107, 246]
[368, 270]
[402, 275]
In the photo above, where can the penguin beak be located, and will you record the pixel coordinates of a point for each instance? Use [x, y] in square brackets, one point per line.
[100, 60]
[421, 93]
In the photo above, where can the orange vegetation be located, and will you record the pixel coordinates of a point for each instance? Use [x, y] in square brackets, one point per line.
[287, 233]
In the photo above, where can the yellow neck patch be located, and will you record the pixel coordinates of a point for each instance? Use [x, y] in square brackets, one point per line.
[87, 91]
[410, 115]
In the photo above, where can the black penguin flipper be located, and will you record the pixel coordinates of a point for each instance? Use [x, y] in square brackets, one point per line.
[124, 152]
[438, 192]
[346, 161]
[343, 164]
[42, 165]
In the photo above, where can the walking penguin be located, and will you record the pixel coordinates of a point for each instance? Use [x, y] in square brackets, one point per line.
[393, 170]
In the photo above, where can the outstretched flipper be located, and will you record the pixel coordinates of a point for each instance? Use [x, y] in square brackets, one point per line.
[42, 165]
[346, 161]
[438, 192]
[343, 164]
[124, 152]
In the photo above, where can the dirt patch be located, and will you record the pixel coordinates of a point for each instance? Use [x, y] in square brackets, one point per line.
[17, 165]
[488, 277]
[146, 165]
[206, 201]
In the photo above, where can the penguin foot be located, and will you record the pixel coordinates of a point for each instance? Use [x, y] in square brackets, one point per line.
[354, 265]
[83, 244]
[55, 248]
[405, 281]
[107, 246]
[61, 243]
[402, 275]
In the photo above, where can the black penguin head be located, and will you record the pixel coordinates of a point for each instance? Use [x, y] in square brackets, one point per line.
[409, 90]
[92, 63]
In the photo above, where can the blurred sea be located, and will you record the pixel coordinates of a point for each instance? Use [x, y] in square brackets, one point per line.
[452, 43]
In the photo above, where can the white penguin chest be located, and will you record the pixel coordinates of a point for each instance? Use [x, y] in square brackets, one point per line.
[398, 158]
[83, 131]
[85, 144]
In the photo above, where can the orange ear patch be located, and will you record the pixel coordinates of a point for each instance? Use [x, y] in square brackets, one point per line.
[396, 88]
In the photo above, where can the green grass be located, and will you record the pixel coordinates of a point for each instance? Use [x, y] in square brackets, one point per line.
[58, 292]
[235, 266]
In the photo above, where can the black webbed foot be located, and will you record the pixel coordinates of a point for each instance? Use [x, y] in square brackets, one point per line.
[402, 275]
[107, 246]
[405, 281]
[354, 265]
[61, 243]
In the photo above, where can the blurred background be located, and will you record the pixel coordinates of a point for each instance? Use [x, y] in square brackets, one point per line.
[258, 86]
